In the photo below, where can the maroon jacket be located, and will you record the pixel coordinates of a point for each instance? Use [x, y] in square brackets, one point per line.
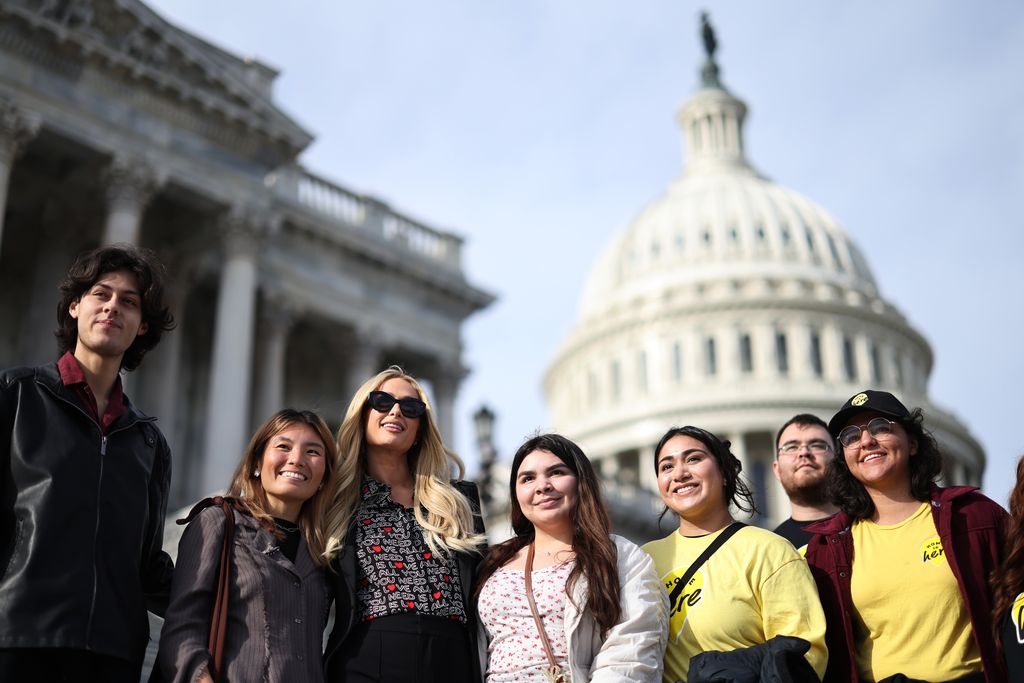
[971, 527]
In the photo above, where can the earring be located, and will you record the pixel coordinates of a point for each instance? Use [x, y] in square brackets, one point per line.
[256, 473]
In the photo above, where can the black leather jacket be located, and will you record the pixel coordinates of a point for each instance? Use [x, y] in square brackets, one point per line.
[81, 521]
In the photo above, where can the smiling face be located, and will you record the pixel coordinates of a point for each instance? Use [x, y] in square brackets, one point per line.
[291, 469]
[802, 473]
[392, 431]
[880, 462]
[547, 491]
[691, 484]
[109, 317]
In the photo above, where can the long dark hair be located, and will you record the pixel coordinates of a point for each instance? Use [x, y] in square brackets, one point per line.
[850, 496]
[89, 268]
[596, 557]
[737, 492]
[1008, 580]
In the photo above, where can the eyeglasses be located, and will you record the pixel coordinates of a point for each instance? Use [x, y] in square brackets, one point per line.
[815, 447]
[383, 402]
[850, 436]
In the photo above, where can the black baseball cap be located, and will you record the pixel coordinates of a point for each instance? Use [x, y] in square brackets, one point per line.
[868, 400]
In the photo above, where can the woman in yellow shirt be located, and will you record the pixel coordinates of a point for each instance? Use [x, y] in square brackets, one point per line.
[753, 588]
[903, 568]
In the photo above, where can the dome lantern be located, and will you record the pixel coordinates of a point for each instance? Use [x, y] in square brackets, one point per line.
[712, 119]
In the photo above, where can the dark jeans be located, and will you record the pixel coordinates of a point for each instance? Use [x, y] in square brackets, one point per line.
[59, 664]
[406, 648]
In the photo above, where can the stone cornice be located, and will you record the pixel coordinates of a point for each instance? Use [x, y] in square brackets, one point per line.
[127, 39]
[132, 180]
[17, 128]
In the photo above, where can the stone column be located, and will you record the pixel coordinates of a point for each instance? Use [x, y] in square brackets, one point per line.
[36, 342]
[363, 362]
[648, 474]
[131, 183]
[738, 446]
[277, 318]
[161, 373]
[16, 129]
[227, 423]
[446, 386]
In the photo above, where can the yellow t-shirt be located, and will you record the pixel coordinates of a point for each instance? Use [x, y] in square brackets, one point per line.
[755, 587]
[909, 617]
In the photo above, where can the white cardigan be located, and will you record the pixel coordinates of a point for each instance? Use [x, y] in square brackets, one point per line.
[633, 650]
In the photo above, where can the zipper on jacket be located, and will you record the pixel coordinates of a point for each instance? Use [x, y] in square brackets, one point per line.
[95, 542]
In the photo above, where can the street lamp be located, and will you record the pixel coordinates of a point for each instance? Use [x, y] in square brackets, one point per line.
[483, 423]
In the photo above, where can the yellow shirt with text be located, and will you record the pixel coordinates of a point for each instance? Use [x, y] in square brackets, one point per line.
[909, 616]
[755, 587]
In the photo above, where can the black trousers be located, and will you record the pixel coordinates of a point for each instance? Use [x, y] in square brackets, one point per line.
[407, 648]
[61, 664]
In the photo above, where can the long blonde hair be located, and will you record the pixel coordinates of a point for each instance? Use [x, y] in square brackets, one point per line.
[248, 488]
[442, 512]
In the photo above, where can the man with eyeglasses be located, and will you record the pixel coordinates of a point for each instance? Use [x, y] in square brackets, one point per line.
[803, 454]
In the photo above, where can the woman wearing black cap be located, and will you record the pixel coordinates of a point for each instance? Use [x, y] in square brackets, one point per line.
[903, 568]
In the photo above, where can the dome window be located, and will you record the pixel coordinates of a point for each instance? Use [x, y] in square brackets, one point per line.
[816, 365]
[710, 365]
[734, 234]
[680, 242]
[677, 362]
[810, 239]
[781, 353]
[787, 238]
[760, 233]
[876, 365]
[706, 236]
[835, 252]
[849, 360]
[746, 355]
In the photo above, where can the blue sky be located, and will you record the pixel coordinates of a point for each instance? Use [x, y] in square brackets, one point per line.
[537, 130]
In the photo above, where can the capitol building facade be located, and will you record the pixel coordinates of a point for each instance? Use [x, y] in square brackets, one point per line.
[732, 303]
[287, 288]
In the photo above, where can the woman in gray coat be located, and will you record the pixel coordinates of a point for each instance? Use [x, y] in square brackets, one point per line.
[278, 595]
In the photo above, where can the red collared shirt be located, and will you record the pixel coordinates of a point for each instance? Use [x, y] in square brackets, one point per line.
[72, 375]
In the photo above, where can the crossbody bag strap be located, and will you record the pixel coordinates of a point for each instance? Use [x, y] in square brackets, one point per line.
[554, 669]
[719, 541]
[219, 618]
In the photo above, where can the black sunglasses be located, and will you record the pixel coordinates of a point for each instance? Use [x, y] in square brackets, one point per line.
[383, 402]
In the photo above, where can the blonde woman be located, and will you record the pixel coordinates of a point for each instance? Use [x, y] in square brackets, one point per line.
[404, 540]
[278, 597]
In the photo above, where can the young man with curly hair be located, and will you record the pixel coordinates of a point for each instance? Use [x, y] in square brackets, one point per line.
[83, 484]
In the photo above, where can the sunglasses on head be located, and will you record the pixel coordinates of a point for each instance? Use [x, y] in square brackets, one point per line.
[383, 402]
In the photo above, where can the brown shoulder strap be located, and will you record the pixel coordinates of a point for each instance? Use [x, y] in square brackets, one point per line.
[219, 618]
[536, 614]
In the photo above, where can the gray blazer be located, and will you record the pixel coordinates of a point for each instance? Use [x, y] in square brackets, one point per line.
[277, 611]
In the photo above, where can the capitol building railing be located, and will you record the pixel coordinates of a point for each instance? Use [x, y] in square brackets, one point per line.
[342, 207]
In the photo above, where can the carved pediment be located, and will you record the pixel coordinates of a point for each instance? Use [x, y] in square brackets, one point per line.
[130, 38]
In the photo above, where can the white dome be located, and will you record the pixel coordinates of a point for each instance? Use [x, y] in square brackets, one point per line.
[723, 225]
[732, 303]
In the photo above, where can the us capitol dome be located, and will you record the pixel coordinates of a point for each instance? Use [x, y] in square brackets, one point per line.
[732, 303]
